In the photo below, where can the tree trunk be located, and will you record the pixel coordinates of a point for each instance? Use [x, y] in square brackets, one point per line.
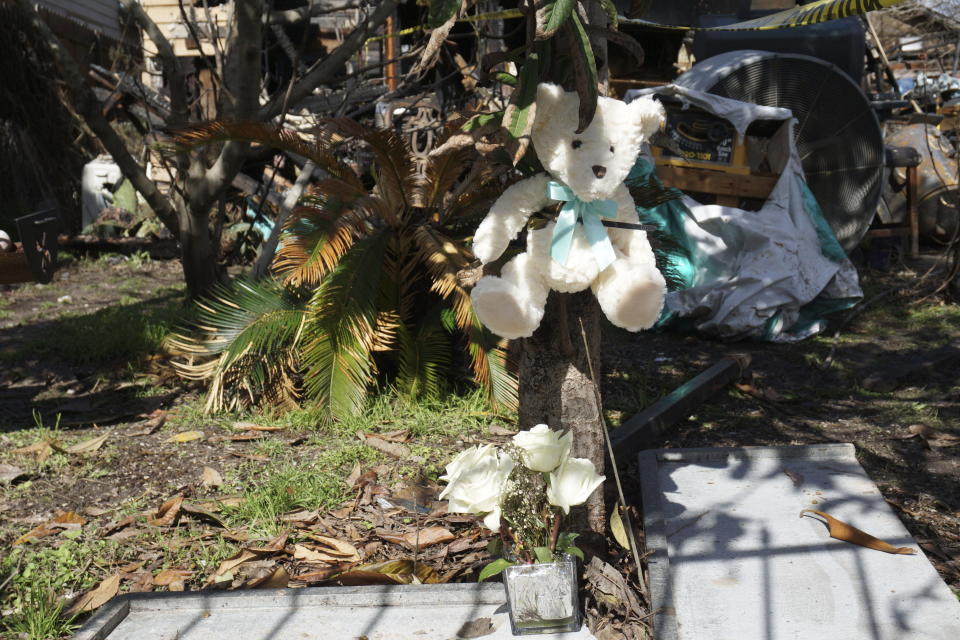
[556, 387]
[198, 255]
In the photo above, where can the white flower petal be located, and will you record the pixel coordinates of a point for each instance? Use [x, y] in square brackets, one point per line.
[543, 447]
[572, 483]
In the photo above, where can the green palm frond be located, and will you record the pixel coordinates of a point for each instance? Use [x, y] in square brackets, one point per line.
[321, 231]
[424, 355]
[243, 341]
[492, 367]
[341, 331]
[268, 135]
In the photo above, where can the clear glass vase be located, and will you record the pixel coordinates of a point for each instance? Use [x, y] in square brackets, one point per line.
[543, 597]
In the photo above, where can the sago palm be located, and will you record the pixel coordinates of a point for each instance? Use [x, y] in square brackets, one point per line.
[365, 286]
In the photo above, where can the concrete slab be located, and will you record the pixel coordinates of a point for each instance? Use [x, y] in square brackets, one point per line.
[402, 612]
[731, 559]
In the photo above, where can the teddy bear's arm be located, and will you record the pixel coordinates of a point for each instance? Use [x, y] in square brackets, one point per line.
[508, 216]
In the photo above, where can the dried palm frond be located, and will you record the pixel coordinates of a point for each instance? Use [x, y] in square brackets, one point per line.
[268, 135]
[243, 341]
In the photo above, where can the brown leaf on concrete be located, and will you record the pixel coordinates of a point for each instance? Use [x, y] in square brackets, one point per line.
[842, 531]
[67, 520]
[476, 628]
[210, 477]
[96, 597]
[168, 512]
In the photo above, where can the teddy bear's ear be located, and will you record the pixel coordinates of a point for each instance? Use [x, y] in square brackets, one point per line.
[548, 97]
[648, 114]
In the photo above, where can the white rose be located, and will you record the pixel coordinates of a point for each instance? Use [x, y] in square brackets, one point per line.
[572, 483]
[544, 447]
[475, 481]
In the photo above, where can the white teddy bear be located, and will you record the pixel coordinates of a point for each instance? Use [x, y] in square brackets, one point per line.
[586, 172]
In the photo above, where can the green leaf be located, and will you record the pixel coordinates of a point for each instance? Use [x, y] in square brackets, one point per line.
[585, 73]
[441, 11]
[481, 120]
[565, 540]
[574, 551]
[495, 547]
[554, 15]
[494, 568]
[543, 554]
[517, 117]
[506, 78]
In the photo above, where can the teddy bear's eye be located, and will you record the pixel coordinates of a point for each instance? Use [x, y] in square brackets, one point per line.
[611, 148]
[576, 144]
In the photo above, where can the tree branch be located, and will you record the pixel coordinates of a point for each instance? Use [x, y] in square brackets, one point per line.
[89, 108]
[242, 74]
[176, 81]
[325, 69]
[293, 16]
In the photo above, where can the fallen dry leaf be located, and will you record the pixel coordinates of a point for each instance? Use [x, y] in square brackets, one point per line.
[476, 628]
[321, 574]
[202, 514]
[400, 435]
[9, 473]
[389, 448]
[225, 570]
[113, 527]
[300, 515]
[250, 426]
[96, 511]
[151, 425]
[185, 436]
[842, 531]
[247, 436]
[168, 512]
[63, 521]
[277, 579]
[497, 430]
[88, 446]
[426, 537]
[42, 449]
[390, 572]
[328, 550]
[169, 576]
[96, 597]
[210, 477]
[277, 544]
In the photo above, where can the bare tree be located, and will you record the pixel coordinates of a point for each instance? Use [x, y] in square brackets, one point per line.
[202, 176]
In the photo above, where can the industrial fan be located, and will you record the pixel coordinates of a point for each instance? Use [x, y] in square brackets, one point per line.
[837, 134]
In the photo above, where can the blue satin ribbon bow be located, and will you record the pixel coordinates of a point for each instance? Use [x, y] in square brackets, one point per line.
[576, 210]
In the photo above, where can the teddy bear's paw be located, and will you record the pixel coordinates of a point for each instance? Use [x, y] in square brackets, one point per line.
[628, 302]
[503, 309]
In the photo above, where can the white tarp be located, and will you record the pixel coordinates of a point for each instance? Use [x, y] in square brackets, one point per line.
[755, 271]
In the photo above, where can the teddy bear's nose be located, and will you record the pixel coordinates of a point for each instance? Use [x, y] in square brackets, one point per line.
[599, 170]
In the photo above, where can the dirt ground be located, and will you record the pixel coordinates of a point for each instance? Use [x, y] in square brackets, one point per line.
[809, 392]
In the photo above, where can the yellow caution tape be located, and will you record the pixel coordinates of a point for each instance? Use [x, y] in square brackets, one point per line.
[813, 13]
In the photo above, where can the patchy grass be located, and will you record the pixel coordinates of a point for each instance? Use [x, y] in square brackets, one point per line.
[118, 334]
